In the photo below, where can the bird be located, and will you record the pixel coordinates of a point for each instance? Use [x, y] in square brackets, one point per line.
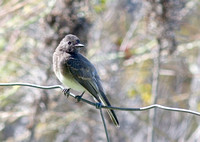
[76, 72]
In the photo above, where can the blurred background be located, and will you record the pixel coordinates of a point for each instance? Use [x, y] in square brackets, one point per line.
[145, 51]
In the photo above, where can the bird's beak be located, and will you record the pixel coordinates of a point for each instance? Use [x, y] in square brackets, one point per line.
[79, 45]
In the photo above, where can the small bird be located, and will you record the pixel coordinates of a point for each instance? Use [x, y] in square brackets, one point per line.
[77, 72]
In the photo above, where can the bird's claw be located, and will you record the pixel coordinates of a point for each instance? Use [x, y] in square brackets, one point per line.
[78, 98]
[66, 92]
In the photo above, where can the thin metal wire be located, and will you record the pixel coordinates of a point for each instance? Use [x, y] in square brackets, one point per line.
[32, 85]
[104, 124]
[104, 107]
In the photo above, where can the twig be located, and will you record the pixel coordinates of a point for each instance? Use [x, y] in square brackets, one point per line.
[131, 30]
[13, 8]
[155, 83]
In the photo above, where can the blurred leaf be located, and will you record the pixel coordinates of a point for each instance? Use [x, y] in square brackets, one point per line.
[146, 97]
[8, 69]
[4, 97]
[100, 7]
[145, 91]
[132, 92]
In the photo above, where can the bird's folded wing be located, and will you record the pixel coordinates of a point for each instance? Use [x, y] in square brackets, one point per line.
[85, 74]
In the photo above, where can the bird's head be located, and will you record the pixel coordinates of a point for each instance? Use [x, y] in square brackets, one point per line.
[70, 43]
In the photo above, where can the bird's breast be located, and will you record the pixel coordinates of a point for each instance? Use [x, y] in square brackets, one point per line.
[64, 75]
[69, 81]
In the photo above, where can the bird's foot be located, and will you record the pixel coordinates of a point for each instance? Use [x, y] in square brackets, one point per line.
[98, 105]
[78, 98]
[66, 92]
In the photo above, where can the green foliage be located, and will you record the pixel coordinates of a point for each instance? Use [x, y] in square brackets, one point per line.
[132, 92]
[145, 92]
[6, 96]
[8, 69]
[100, 6]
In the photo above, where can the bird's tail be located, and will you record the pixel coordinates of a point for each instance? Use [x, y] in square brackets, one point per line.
[111, 112]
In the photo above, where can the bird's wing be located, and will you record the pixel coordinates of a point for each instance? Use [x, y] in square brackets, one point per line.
[84, 72]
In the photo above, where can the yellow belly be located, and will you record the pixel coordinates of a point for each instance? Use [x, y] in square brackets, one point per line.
[70, 82]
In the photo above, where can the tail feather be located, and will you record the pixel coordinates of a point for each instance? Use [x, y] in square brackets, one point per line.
[113, 117]
[111, 112]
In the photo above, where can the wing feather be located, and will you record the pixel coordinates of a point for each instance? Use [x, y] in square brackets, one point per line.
[84, 72]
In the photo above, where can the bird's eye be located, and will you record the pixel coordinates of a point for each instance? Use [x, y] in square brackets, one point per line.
[69, 43]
